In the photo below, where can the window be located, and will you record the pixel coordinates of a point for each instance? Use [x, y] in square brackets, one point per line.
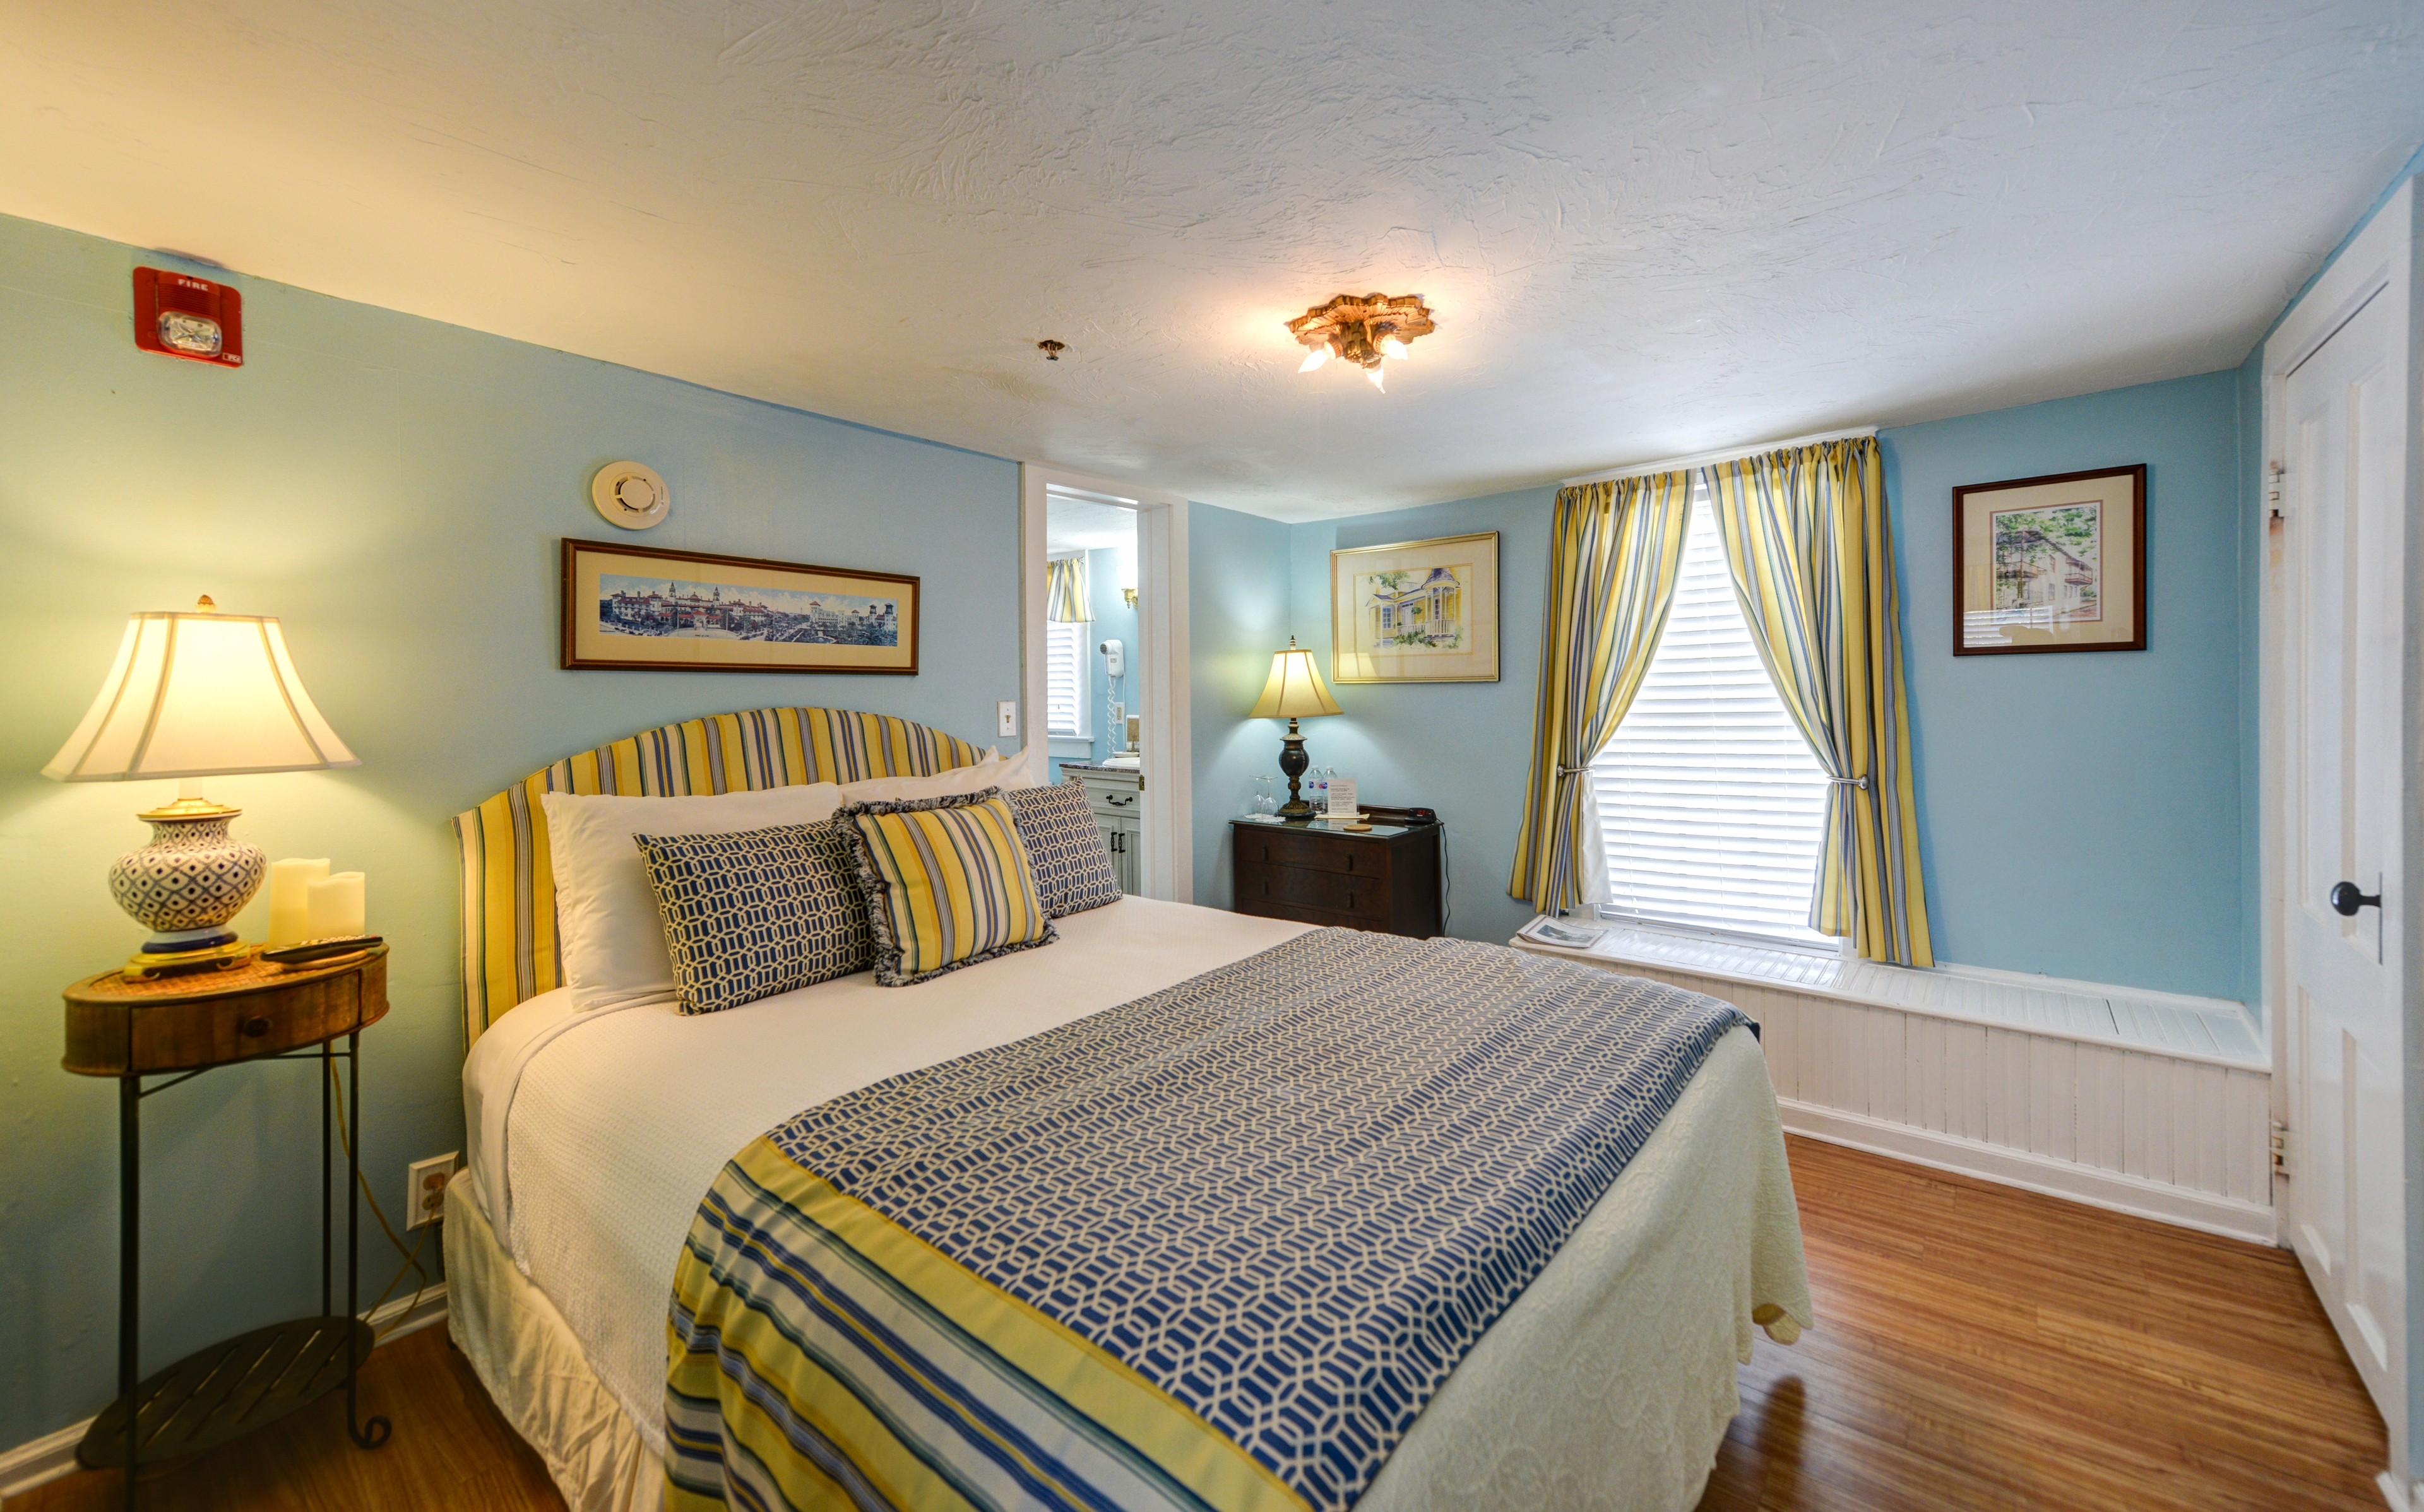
[1065, 678]
[1709, 802]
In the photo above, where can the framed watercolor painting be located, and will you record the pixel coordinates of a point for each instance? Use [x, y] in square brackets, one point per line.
[1415, 612]
[2050, 563]
[642, 607]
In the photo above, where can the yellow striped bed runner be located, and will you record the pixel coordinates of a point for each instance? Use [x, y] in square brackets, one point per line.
[1211, 1250]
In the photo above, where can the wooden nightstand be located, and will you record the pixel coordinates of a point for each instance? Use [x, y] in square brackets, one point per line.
[1316, 874]
[181, 1027]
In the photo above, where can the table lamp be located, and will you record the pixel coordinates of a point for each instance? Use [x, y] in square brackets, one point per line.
[1294, 692]
[195, 695]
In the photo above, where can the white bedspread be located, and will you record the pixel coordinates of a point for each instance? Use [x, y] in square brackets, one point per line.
[594, 1136]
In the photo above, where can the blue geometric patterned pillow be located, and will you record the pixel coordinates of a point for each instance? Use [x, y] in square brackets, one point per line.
[759, 911]
[1065, 845]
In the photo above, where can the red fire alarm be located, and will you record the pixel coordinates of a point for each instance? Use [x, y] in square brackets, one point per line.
[193, 318]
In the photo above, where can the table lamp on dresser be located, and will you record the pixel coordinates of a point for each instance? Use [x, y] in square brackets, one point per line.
[194, 695]
[1294, 692]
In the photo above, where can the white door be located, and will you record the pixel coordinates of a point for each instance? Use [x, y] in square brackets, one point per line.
[2341, 435]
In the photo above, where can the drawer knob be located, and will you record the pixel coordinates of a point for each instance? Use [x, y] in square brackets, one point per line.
[254, 1027]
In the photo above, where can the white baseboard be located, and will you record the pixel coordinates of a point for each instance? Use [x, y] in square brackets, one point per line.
[52, 1455]
[2161, 1200]
[2391, 1492]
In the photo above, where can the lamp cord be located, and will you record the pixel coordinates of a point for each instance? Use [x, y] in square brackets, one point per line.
[411, 1255]
[1447, 884]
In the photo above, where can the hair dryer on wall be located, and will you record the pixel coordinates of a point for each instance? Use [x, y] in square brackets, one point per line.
[1115, 658]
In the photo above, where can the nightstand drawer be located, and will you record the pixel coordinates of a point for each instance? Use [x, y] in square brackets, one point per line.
[1294, 914]
[206, 1033]
[1332, 892]
[1315, 848]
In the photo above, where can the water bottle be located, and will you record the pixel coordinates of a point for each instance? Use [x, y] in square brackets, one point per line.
[1318, 789]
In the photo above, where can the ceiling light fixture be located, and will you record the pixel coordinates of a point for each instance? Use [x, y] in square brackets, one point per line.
[1363, 330]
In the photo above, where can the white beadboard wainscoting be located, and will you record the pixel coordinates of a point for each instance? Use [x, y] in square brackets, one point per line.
[2143, 1101]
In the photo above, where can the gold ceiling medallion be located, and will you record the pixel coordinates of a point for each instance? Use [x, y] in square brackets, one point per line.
[1363, 331]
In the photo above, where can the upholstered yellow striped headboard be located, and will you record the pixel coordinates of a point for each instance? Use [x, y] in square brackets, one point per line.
[509, 944]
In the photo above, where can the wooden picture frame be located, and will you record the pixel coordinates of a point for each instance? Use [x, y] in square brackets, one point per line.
[2055, 563]
[645, 607]
[1415, 611]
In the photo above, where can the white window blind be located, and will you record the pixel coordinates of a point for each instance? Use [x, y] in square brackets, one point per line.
[1064, 677]
[1709, 802]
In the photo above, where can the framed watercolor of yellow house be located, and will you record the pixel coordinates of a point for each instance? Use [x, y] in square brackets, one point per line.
[1415, 611]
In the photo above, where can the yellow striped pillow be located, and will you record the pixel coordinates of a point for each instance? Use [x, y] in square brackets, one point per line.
[948, 884]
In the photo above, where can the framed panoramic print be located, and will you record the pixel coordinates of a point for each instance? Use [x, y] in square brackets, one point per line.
[2050, 563]
[635, 606]
[1415, 612]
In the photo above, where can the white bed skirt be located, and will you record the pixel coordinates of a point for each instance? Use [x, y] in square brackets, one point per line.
[526, 1355]
[1606, 1387]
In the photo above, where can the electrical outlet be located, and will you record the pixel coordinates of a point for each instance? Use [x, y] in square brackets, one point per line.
[425, 1189]
[1006, 713]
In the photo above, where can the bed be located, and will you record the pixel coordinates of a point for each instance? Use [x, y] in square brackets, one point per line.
[1607, 1382]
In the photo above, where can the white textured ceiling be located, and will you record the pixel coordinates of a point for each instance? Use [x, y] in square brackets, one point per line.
[1082, 525]
[1647, 228]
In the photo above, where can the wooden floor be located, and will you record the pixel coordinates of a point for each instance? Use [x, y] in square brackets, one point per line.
[1977, 1348]
[451, 1452]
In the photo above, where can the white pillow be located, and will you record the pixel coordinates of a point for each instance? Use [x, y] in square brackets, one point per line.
[605, 912]
[1027, 767]
[1020, 771]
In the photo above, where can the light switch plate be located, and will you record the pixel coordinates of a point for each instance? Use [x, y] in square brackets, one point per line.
[1007, 716]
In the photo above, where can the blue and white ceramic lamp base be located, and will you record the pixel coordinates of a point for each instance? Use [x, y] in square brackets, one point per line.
[188, 885]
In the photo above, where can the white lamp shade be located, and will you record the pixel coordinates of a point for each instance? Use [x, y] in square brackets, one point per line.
[199, 695]
[1294, 691]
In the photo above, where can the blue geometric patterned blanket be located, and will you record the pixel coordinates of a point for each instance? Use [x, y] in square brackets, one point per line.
[1212, 1250]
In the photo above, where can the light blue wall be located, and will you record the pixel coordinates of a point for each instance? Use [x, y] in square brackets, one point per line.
[1461, 748]
[1113, 621]
[2082, 813]
[394, 489]
[2247, 392]
[1237, 615]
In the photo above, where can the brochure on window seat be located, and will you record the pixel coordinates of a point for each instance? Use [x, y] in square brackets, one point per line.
[1559, 933]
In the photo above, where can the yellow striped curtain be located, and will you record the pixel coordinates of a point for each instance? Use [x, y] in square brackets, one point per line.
[1065, 590]
[1812, 560]
[1613, 562]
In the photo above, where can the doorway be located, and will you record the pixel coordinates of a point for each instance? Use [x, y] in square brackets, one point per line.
[1117, 556]
[2338, 800]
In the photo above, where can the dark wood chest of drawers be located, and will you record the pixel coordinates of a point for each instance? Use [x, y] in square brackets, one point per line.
[1317, 875]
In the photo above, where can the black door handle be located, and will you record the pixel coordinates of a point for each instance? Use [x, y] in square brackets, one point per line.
[2346, 899]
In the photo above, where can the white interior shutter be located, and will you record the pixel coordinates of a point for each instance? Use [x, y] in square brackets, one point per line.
[1709, 802]
[1065, 678]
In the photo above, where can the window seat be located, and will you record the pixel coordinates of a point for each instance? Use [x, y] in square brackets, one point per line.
[2211, 1029]
[2145, 1102]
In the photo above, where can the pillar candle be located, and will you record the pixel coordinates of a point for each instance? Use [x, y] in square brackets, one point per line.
[334, 906]
[288, 910]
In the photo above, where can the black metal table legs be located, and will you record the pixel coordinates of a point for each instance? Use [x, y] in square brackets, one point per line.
[373, 1433]
[193, 1403]
[130, 1206]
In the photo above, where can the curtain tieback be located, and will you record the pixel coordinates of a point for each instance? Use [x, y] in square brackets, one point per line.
[1861, 783]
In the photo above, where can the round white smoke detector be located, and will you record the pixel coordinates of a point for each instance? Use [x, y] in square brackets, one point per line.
[631, 494]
